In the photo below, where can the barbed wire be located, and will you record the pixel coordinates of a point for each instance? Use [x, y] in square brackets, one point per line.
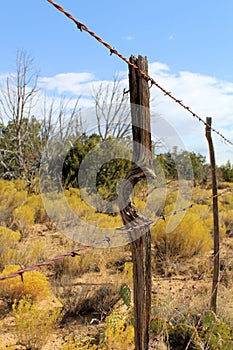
[145, 223]
[82, 27]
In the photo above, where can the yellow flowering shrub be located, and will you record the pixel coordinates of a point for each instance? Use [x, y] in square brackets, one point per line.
[119, 333]
[35, 202]
[190, 237]
[34, 284]
[34, 323]
[8, 242]
[81, 343]
[24, 217]
[10, 199]
[9, 236]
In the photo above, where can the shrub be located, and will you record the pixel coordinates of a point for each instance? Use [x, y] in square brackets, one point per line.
[181, 334]
[10, 199]
[202, 210]
[74, 299]
[227, 200]
[34, 284]
[91, 261]
[80, 207]
[158, 326]
[190, 237]
[216, 334]
[81, 343]
[11, 252]
[33, 322]
[127, 274]
[9, 235]
[8, 242]
[119, 333]
[24, 217]
[19, 184]
[35, 202]
[205, 213]
[91, 214]
[18, 199]
[32, 252]
[13, 197]
[226, 219]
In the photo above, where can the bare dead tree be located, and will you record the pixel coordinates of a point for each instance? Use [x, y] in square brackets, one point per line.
[23, 136]
[112, 110]
[61, 127]
[62, 118]
[17, 99]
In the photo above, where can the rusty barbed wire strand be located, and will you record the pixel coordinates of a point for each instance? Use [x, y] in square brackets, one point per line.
[82, 27]
[120, 231]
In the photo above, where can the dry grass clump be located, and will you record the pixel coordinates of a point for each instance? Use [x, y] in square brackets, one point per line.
[14, 250]
[95, 301]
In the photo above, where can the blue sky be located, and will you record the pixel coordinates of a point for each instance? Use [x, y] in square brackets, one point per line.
[187, 35]
[188, 45]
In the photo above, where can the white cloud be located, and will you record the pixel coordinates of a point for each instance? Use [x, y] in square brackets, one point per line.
[128, 38]
[158, 68]
[75, 83]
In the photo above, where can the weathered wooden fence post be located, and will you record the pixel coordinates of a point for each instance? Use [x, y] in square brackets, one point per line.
[214, 293]
[141, 169]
